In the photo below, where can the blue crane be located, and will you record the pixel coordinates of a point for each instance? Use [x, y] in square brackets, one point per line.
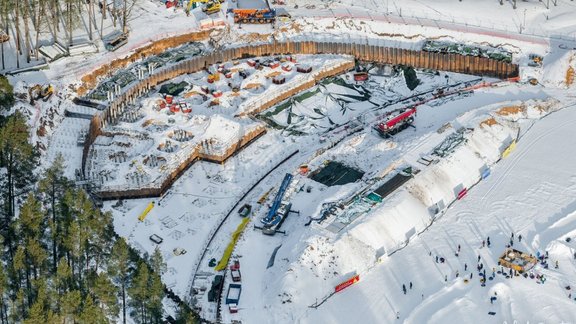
[270, 218]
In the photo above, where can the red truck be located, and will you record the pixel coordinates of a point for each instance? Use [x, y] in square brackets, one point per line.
[396, 121]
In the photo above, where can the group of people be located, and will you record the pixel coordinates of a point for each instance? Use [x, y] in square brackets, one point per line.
[404, 287]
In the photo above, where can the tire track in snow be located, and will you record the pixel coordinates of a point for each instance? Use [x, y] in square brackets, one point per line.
[518, 157]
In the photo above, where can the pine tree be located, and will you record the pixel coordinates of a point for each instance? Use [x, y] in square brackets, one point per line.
[184, 315]
[70, 305]
[119, 269]
[3, 291]
[18, 157]
[91, 313]
[157, 262]
[139, 292]
[39, 309]
[155, 296]
[63, 279]
[54, 185]
[106, 294]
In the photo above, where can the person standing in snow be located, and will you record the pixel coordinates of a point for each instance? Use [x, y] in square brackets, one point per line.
[519, 237]
[446, 278]
[410, 284]
[465, 266]
[483, 243]
[457, 273]
[478, 258]
[404, 288]
[488, 241]
[458, 248]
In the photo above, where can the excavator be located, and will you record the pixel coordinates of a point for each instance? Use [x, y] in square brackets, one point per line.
[40, 92]
[210, 6]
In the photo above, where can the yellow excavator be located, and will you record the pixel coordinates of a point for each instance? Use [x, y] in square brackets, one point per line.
[210, 6]
[40, 92]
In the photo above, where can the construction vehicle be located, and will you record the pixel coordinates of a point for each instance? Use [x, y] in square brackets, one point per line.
[535, 60]
[253, 16]
[115, 40]
[210, 6]
[279, 209]
[396, 121]
[40, 92]
[213, 77]
[361, 73]
[235, 271]
[253, 12]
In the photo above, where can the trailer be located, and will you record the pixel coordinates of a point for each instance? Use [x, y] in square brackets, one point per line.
[233, 295]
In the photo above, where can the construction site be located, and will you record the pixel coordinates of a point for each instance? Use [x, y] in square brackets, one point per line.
[308, 142]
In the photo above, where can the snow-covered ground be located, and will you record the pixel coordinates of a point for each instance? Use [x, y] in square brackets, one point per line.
[531, 192]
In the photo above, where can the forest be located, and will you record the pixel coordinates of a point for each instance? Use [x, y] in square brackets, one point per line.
[62, 261]
[30, 23]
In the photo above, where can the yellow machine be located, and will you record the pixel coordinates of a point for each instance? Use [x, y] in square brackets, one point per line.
[40, 92]
[213, 77]
[210, 7]
[146, 211]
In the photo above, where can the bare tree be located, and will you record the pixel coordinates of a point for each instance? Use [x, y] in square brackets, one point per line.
[38, 12]
[17, 27]
[127, 13]
[5, 22]
[55, 13]
[25, 18]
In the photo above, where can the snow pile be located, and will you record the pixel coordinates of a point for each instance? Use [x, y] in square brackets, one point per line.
[409, 211]
[319, 257]
[557, 64]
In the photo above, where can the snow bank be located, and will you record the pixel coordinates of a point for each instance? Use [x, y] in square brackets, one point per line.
[557, 64]
[410, 210]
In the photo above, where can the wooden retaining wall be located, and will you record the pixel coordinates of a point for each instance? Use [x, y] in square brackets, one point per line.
[197, 154]
[374, 53]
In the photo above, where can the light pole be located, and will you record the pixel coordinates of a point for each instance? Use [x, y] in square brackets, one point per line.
[524, 23]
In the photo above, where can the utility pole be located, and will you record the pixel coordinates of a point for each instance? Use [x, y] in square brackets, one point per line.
[525, 18]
